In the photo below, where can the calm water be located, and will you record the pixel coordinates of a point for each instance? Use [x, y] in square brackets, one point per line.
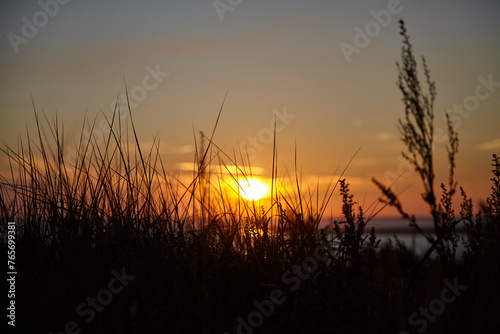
[388, 228]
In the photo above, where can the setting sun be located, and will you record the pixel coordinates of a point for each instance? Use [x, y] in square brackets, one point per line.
[252, 189]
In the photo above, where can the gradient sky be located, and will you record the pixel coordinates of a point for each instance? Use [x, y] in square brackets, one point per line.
[269, 56]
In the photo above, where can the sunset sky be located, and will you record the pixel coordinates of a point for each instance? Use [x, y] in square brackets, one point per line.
[331, 87]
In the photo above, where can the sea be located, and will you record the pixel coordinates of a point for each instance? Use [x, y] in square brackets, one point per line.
[389, 229]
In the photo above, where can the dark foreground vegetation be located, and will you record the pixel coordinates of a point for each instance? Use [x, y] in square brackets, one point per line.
[110, 243]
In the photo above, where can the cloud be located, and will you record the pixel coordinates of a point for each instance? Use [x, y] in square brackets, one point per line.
[384, 136]
[165, 149]
[324, 180]
[489, 145]
[181, 149]
[364, 162]
[222, 169]
[358, 123]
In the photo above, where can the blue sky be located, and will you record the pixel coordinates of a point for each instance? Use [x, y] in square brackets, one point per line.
[268, 56]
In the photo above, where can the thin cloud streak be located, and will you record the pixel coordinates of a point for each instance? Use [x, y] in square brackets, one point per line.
[489, 145]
